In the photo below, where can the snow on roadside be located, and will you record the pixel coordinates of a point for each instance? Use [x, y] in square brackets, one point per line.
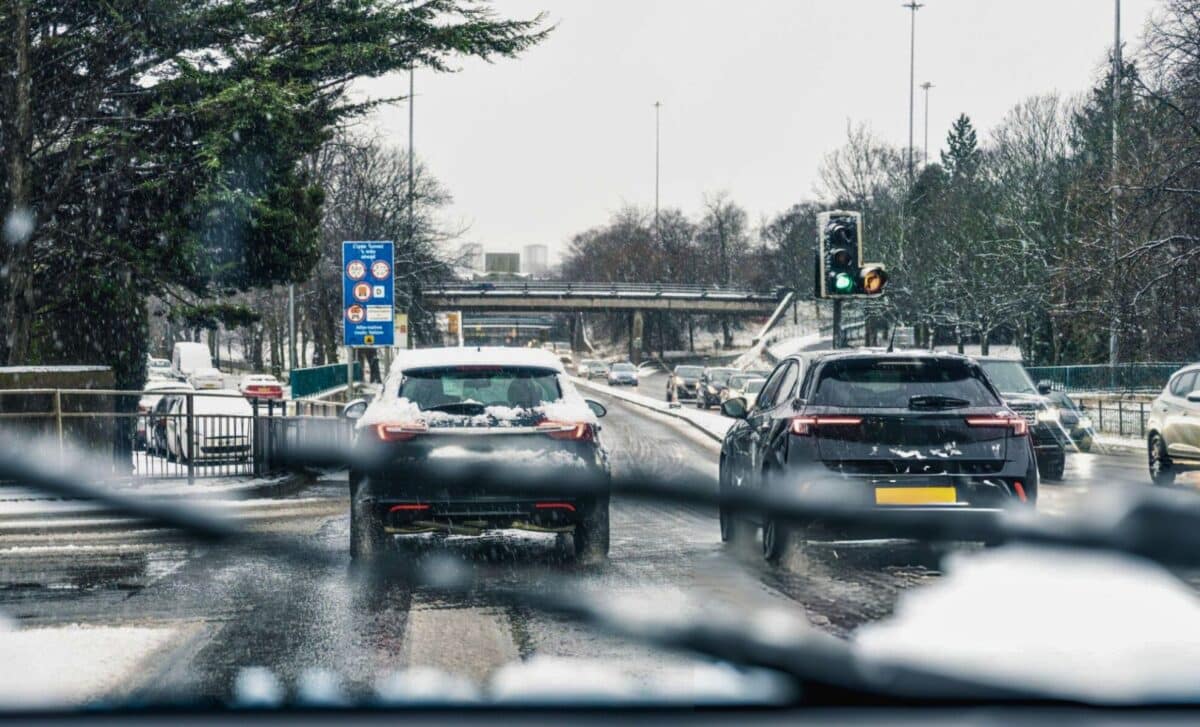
[716, 425]
[74, 664]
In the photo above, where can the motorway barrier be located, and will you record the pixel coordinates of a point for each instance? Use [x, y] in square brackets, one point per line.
[312, 381]
[1103, 377]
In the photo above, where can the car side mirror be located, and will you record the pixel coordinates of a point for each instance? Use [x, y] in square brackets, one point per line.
[798, 403]
[1194, 396]
[1044, 387]
[597, 408]
[735, 408]
[355, 409]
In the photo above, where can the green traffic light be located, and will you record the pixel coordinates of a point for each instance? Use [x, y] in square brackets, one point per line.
[843, 283]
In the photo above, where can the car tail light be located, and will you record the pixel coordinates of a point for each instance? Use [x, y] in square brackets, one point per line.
[400, 432]
[555, 506]
[1018, 425]
[803, 426]
[409, 507]
[572, 431]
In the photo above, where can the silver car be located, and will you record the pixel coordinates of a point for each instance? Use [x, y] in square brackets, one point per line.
[1173, 427]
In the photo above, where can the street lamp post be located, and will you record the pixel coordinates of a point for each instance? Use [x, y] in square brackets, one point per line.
[912, 63]
[657, 110]
[925, 87]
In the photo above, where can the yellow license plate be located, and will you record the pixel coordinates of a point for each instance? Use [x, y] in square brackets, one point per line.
[915, 496]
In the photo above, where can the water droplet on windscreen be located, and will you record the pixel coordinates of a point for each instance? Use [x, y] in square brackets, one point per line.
[18, 226]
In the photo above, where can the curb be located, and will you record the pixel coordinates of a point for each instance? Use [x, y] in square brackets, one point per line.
[667, 412]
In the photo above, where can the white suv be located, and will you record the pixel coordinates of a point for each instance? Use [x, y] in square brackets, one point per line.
[1173, 428]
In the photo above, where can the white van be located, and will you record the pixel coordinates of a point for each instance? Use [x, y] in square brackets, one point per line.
[187, 357]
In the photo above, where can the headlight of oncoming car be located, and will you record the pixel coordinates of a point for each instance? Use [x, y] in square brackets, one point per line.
[1049, 414]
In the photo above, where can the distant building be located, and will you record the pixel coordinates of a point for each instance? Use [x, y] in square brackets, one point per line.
[471, 254]
[502, 262]
[535, 259]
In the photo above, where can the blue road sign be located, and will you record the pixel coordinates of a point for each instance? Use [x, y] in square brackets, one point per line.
[368, 294]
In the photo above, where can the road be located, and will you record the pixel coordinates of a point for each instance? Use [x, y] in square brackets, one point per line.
[158, 617]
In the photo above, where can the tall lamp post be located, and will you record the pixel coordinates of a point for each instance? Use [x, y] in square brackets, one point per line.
[657, 110]
[912, 64]
[925, 152]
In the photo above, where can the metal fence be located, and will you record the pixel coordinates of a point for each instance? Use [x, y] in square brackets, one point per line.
[1115, 416]
[1102, 377]
[314, 380]
[172, 435]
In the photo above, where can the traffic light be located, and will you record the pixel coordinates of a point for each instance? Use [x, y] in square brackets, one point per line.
[452, 322]
[840, 271]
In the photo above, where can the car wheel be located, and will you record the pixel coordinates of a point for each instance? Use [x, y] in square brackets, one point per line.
[367, 538]
[1161, 471]
[775, 539]
[1054, 470]
[591, 534]
[1084, 443]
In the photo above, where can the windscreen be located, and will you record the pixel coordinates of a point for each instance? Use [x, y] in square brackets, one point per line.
[510, 386]
[891, 383]
[1009, 377]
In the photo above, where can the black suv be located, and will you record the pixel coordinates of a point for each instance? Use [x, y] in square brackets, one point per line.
[1050, 438]
[889, 430]
[458, 441]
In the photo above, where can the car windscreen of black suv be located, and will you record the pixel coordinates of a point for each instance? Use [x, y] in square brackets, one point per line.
[902, 383]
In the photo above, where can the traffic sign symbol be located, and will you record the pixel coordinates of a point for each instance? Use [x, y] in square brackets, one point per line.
[368, 339]
[355, 314]
[380, 270]
[356, 270]
[362, 291]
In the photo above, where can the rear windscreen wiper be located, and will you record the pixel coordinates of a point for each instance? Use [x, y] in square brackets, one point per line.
[933, 401]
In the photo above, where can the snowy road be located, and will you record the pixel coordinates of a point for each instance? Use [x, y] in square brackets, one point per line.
[158, 617]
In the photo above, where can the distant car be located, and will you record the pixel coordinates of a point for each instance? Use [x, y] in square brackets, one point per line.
[733, 387]
[1173, 427]
[750, 391]
[685, 381]
[158, 368]
[444, 410]
[744, 387]
[591, 368]
[207, 379]
[567, 360]
[562, 347]
[712, 381]
[897, 431]
[222, 428]
[1076, 423]
[1029, 400]
[623, 374]
[261, 386]
[142, 432]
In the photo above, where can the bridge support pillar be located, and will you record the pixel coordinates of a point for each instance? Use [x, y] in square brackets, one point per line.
[636, 324]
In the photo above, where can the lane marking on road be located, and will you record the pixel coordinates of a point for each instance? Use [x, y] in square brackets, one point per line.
[469, 642]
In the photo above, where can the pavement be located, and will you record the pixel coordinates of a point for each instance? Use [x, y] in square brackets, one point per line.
[129, 613]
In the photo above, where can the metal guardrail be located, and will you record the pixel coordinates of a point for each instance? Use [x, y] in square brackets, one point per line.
[314, 380]
[1102, 377]
[169, 436]
[1122, 418]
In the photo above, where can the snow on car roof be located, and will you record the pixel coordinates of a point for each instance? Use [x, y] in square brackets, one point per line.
[474, 356]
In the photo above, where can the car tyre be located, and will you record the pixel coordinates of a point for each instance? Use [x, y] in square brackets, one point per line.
[367, 537]
[591, 534]
[1055, 470]
[1162, 473]
[1084, 443]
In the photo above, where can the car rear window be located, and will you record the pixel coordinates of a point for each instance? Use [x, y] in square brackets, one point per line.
[720, 376]
[691, 372]
[511, 386]
[755, 385]
[890, 383]
[622, 367]
[230, 405]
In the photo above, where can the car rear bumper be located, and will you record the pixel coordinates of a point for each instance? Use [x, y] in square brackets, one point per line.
[476, 515]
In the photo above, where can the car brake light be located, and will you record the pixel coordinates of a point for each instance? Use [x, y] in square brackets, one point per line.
[554, 506]
[1018, 425]
[408, 507]
[803, 426]
[573, 431]
[400, 432]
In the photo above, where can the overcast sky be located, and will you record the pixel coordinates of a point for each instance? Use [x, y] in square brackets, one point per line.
[754, 93]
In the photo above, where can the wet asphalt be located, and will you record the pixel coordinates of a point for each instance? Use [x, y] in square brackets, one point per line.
[227, 609]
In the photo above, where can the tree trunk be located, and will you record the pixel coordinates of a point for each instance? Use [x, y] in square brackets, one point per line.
[727, 337]
[691, 334]
[19, 305]
[985, 343]
[958, 333]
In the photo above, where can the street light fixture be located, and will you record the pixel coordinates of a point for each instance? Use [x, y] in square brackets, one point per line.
[912, 60]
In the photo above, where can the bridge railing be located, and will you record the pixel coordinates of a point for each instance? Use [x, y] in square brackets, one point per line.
[314, 380]
[555, 287]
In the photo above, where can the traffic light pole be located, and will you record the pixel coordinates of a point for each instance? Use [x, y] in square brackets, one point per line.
[837, 323]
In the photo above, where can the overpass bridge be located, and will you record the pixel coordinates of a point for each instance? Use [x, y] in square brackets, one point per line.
[568, 297]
